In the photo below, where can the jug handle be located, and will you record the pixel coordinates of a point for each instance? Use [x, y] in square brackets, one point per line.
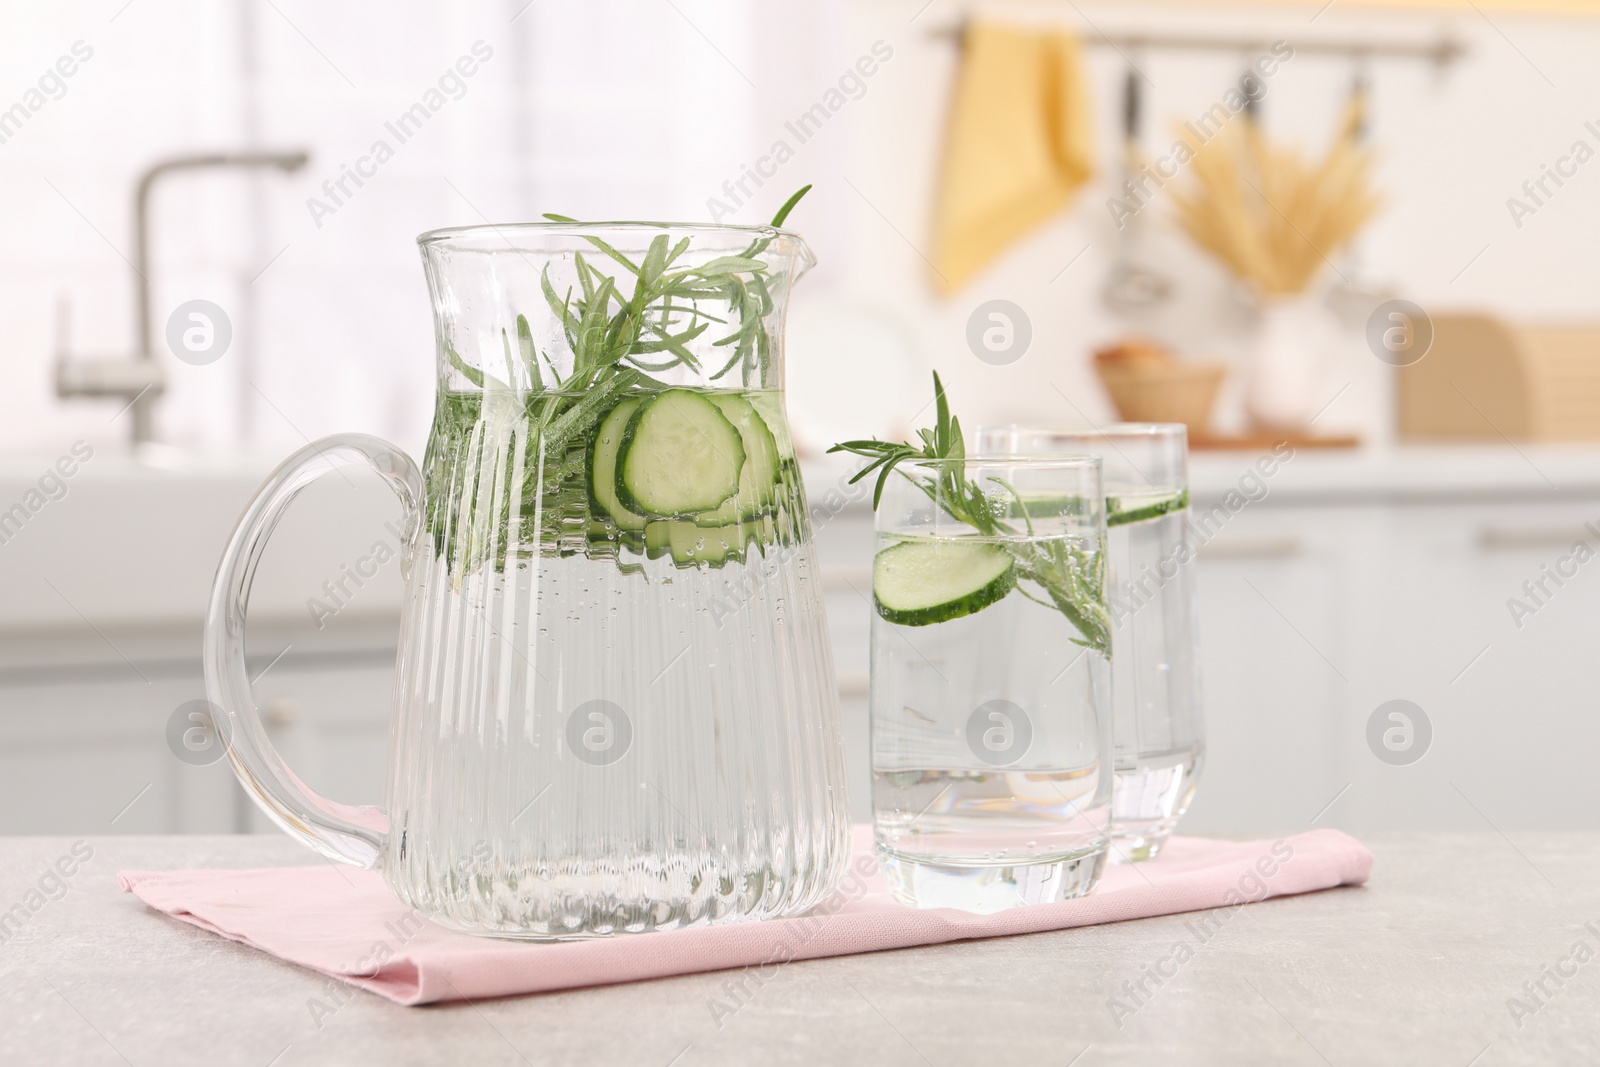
[348, 833]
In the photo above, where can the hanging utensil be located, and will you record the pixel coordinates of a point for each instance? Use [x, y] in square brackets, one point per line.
[1358, 291]
[1253, 91]
[1132, 286]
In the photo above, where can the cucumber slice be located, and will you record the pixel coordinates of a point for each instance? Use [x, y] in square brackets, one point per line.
[769, 405]
[919, 583]
[758, 477]
[1123, 510]
[605, 541]
[680, 456]
[691, 545]
[657, 539]
[603, 465]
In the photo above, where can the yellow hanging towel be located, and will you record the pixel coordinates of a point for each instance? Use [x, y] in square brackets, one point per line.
[1017, 148]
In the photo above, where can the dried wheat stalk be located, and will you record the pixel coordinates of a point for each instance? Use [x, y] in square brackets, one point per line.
[1273, 217]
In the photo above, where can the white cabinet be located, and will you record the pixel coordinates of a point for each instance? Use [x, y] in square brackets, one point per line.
[1512, 708]
[1315, 615]
[84, 744]
[329, 718]
[1275, 663]
[86, 754]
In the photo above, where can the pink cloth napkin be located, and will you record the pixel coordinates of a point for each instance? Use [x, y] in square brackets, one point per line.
[345, 923]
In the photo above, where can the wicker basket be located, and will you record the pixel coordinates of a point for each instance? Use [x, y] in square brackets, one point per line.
[1176, 392]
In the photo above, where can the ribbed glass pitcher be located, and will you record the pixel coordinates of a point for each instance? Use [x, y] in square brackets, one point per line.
[614, 705]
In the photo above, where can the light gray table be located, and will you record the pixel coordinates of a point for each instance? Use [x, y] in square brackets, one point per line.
[1415, 969]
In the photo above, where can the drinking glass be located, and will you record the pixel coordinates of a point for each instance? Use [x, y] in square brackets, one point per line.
[1155, 666]
[614, 706]
[991, 729]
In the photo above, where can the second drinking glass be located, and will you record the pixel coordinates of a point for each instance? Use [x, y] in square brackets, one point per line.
[1155, 659]
[991, 739]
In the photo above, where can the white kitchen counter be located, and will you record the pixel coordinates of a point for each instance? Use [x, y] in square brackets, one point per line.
[1411, 473]
[1417, 968]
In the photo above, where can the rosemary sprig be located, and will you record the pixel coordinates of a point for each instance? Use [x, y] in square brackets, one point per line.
[663, 314]
[1072, 580]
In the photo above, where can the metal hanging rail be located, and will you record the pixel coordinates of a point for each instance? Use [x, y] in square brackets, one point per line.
[1441, 52]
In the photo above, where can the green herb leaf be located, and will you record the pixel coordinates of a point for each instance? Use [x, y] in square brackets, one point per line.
[724, 266]
[789, 205]
[468, 371]
[530, 355]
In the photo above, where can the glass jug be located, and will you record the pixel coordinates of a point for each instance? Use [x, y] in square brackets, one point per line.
[614, 705]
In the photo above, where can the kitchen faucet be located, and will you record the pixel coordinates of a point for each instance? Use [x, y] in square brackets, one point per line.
[141, 380]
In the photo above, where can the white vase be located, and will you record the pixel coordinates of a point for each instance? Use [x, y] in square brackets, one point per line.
[1286, 365]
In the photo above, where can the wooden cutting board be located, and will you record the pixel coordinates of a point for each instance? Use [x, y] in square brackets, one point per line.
[1266, 442]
